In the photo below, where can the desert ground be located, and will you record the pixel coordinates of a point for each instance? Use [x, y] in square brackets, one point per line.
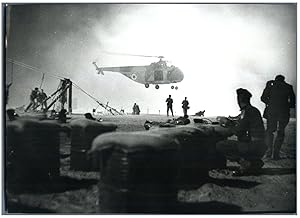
[273, 190]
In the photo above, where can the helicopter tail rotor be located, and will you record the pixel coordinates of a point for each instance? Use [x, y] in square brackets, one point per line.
[99, 70]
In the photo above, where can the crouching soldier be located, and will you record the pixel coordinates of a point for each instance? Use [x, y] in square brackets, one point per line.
[250, 146]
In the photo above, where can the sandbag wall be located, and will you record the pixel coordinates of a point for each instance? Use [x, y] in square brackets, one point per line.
[32, 151]
[138, 172]
[141, 171]
[83, 131]
[197, 149]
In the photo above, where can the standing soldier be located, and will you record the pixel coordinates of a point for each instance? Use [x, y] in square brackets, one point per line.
[33, 98]
[169, 105]
[7, 92]
[185, 106]
[279, 99]
[42, 99]
[266, 97]
[137, 110]
[134, 109]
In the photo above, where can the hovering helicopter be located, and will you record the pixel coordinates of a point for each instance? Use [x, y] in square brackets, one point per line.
[157, 73]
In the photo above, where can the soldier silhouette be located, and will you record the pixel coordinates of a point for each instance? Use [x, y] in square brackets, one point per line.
[279, 99]
[169, 105]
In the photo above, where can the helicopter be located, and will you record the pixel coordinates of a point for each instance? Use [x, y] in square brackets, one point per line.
[157, 73]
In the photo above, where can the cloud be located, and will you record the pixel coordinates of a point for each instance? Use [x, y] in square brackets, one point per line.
[219, 47]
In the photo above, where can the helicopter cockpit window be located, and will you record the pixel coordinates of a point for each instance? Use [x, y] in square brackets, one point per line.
[162, 63]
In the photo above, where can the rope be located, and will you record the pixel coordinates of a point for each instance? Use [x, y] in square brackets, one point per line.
[60, 78]
[96, 100]
[32, 68]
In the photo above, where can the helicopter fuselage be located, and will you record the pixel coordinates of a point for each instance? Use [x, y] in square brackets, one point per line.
[155, 73]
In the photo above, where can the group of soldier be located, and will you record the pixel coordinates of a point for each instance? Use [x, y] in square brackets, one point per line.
[185, 106]
[254, 142]
[136, 109]
[37, 98]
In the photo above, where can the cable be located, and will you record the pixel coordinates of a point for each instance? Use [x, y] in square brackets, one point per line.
[32, 68]
[60, 78]
[76, 86]
[96, 100]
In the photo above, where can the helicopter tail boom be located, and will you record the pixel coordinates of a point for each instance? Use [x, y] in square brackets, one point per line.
[99, 69]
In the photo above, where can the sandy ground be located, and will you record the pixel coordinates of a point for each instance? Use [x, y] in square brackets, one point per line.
[271, 191]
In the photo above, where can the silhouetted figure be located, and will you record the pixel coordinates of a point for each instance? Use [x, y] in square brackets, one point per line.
[200, 113]
[7, 92]
[279, 98]
[135, 109]
[185, 106]
[169, 123]
[169, 105]
[250, 145]
[62, 116]
[266, 97]
[42, 96]
[33, 98]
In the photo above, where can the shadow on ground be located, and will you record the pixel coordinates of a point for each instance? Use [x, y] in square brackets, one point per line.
[58, 185]
[212, 207]
[229, 182]
[277, 171]
[234, 183]
[268, 171]
[18, 208]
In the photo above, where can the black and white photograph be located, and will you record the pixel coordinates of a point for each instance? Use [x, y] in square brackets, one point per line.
[149, 108]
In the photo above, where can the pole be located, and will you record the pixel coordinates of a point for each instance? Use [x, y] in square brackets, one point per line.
[62, 92]
[12, 71]
[43, 76]
[70, 97]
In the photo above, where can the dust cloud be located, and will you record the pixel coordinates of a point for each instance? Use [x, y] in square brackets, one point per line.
[219, 48]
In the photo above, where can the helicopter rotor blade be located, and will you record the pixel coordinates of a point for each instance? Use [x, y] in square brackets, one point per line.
[136, 55]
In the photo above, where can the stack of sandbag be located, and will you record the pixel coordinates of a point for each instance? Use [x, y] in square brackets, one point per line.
[138, 172]
[32, 151]
[197, 149]
[83, 132]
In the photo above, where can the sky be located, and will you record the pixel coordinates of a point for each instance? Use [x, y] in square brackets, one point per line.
[219, 48]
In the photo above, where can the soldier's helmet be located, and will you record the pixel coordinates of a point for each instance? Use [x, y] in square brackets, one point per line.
[243, 94]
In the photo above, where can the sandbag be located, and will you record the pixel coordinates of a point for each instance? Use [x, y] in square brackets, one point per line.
[138, 172]
[83, 131]
[197, 150]
[32, 151]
